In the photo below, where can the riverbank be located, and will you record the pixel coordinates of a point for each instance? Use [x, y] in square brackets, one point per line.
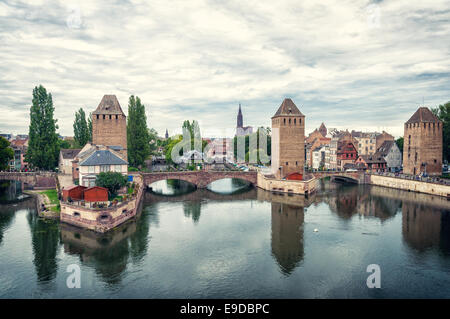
[411, 185]
[47, 203]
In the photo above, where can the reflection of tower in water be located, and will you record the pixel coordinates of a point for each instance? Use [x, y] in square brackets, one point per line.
[425, 227]
[287, 235]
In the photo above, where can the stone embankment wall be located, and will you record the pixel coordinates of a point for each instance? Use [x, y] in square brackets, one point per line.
[287, 186]
[102, 220]
[411, 185]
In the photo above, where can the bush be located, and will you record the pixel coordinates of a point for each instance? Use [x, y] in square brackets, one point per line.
[113, 181]
[133, 169]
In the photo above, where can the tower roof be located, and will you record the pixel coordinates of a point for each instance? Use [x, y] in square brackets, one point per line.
[109, 105]
[423, 114]
[288, 108]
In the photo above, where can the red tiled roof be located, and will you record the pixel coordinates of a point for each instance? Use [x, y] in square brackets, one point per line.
[423, 114]
[288, 108]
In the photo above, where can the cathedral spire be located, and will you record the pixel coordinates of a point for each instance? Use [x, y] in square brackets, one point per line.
[240, 121]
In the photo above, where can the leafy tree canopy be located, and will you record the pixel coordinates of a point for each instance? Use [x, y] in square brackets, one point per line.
[113, 181]
[138, 135]
[43, 146]
[81, 128]
[6, 153]
[443, 113]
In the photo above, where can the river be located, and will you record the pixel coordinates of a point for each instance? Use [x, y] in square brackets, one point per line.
[235, 241]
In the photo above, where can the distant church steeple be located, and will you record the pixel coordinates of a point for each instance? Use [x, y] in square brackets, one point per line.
[167, 134]
[240, 122]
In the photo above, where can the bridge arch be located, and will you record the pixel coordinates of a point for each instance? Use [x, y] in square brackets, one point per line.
[345, 179]
[348, 177]
[199, 178]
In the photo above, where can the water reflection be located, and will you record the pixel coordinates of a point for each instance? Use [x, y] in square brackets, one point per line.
[254, 245]
[287, 235]
[44, 240]
[109, 254]
[11, 192]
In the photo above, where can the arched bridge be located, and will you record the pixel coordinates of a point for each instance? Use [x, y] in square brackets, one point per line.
[200, 178]
[35, 179]
[349, 177]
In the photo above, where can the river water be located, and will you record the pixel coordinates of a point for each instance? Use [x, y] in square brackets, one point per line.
[234, 241]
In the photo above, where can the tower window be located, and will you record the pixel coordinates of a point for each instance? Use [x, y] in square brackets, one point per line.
[289, 121]
[295, 121]
[117, 117]
[109, 116]
[97, 116]
[104, 116]
[287, 163]
[284, 121]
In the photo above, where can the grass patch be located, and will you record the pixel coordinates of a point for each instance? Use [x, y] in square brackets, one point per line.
[52, 195]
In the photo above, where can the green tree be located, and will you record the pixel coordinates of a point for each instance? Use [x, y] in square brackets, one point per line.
[80, 128]
[171, 142]
[113, 181]
[154, 140]
[399, 142]
[6, 153]
[443, 113]
[138, 137]
[43, 146]
[63, 144]
[90, 127]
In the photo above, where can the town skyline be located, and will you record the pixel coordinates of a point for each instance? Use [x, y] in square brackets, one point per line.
[351, 65]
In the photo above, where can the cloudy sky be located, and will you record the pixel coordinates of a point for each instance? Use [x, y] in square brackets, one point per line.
[362, 65]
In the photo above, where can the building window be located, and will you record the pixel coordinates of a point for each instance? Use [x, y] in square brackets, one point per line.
[91, 169]
[289, 121]
[76, 214]
[110, 116]
[287, 163]
[284, 120]
[118, 168]
[97, 116]
[295, 121]
[117, 117]
[104, 168]
[104, 116]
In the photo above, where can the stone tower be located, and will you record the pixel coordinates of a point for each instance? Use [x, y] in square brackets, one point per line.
[422, 146]
[288, 140]
[109, 125]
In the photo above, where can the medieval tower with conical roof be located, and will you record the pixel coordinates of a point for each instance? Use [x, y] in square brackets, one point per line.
[288, 140]
[109, 125]
[422, 144]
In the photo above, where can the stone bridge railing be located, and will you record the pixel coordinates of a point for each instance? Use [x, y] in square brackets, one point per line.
[200, 178]
[35, 179]
[356, 177]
